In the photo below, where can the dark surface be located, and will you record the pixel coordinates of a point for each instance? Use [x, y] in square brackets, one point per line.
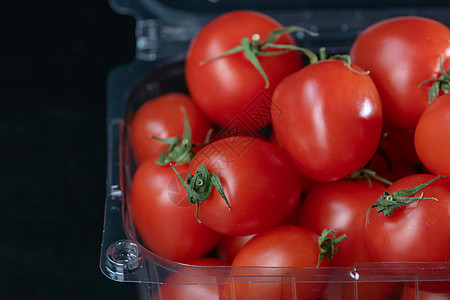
[54, 61]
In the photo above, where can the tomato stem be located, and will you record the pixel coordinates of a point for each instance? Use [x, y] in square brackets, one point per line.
[388, 203]
[367, 174]
[329, 246]
[179, 150]
[345, 58]
[440, 84]
[322, 53]
[199, 186]
[254, 48]
[347, 61]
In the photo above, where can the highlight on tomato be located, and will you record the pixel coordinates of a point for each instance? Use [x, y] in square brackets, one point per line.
[400, 54]
[330, 118]
[235, 62]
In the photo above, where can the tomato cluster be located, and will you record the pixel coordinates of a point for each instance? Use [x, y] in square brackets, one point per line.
[325, 163]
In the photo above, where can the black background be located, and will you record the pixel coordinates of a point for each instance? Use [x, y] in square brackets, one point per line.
[54, 60]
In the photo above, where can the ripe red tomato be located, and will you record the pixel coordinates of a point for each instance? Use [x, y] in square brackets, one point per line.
[278, 247]
[163, 216]
[330, 121]
[259, 181]
[343, 205]
[401, 53]
[163, 118]
[182, 286]
[417, 232]
[230, 89]
[432, 136]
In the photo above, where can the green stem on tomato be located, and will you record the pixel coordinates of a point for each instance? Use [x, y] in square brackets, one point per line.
[367, 174]
[179, 150]
[388, 203]
[198, 186]
[345, 58]
[252, 48]
[329, 245]
[441, 83]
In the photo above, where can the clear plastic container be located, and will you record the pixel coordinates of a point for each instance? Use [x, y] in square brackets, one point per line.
[163, 32]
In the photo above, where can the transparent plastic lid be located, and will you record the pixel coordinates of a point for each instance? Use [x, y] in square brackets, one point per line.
[165, 28]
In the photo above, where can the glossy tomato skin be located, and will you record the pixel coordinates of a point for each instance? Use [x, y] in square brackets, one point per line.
[260, 182]
[230, 89]
[163, 216]
[432, 136]
[278, 247]
[180, 286]
[163, 118]
[330, 121]
[400, 53]
[343, 205]
[418, 232]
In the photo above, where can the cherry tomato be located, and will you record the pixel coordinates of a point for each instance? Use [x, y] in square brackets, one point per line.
[182, 286]
[260, 183]
[432, 136]
[230, 89]
[416, 232]
[343, 205]
[163, 215]
[278, 247]
[400, 54]
[330, 121]
[162, 117]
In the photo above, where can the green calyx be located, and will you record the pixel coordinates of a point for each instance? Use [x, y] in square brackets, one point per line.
[367, 174]
[345, 58]
[440, 84]
[329, 246]
[252, 48]
[179, 150]
[388, 203]
[199, 186]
